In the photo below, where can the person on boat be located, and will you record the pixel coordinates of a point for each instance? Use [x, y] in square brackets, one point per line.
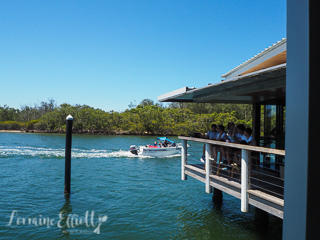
[212, 134]
[165, 143]
[154, 145]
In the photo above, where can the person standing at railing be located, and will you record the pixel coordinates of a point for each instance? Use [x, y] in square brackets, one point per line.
[220, 137]
[212, 134]
[248, 139]
[224, 151]
[235, 136]
[239, 133]
[230, 132]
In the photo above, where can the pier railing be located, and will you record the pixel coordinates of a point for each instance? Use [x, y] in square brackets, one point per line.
[247, 180]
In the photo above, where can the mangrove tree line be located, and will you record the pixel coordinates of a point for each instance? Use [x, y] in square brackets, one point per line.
[145, 118]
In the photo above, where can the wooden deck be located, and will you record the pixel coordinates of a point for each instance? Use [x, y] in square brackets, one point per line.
[258, 196]
[261, 188]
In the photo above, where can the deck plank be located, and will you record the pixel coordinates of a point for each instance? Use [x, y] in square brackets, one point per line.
[267, 197]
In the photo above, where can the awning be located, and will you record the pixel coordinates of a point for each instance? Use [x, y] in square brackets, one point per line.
[263, 85]
[164, 139]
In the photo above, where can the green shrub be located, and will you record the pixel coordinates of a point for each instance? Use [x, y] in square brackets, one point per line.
[31, 124]
[11, 125]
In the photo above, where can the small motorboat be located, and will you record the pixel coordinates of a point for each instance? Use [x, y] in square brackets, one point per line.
[165, 147]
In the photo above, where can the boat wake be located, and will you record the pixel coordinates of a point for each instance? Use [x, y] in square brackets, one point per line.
[9, 152]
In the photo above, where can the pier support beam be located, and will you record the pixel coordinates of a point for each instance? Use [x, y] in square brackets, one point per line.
[261, 218]
[208, 168]
[217, 196]
[183, 159]
[244, 180]
[301, 178]
[256, 117]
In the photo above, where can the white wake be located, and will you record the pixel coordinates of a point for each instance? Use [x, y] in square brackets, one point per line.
[27, 151]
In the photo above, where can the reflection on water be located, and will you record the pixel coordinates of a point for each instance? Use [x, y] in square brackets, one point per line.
[63, 215]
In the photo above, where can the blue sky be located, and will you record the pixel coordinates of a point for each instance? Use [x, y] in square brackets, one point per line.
[109, 53]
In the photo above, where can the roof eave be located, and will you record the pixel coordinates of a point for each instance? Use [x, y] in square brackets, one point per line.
[193, 95]
[258, 58]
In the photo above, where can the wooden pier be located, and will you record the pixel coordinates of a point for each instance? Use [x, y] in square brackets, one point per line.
[254, 186]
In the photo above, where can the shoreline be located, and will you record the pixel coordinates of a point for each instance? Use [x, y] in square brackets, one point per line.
[84, 133]
[23, 131]
[12, 131]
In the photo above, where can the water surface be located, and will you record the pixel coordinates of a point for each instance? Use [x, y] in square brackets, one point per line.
[140, 198]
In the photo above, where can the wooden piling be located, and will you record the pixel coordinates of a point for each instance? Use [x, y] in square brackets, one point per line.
[67, 173]
[261, 218]
[217, 196]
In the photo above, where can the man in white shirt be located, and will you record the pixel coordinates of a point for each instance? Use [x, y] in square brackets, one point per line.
[246, 139]
[213, 132]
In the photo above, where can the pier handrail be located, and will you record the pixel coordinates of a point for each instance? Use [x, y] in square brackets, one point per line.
[246, 171]
[236, 145]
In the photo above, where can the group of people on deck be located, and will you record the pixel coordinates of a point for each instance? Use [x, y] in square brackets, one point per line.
[234, 134]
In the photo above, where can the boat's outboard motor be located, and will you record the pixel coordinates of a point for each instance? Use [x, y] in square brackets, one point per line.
[134, 149]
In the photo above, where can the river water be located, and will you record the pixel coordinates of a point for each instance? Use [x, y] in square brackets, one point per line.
[115, 195]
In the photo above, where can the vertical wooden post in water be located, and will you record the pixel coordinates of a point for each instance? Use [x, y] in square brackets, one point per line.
[183, 159]
[67, 170]
[244, 180]
[217, 196]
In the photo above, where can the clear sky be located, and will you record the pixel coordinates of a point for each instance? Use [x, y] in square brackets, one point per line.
[109, 53]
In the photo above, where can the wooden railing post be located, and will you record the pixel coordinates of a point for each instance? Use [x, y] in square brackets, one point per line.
[183, 159]
[208, 168]
[244, 180]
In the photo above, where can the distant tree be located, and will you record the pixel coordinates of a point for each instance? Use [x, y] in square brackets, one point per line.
[132, 105]
[8, 114]
[147, 117]
[146, 102]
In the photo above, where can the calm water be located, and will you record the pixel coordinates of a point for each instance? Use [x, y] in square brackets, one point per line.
[129, 197]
